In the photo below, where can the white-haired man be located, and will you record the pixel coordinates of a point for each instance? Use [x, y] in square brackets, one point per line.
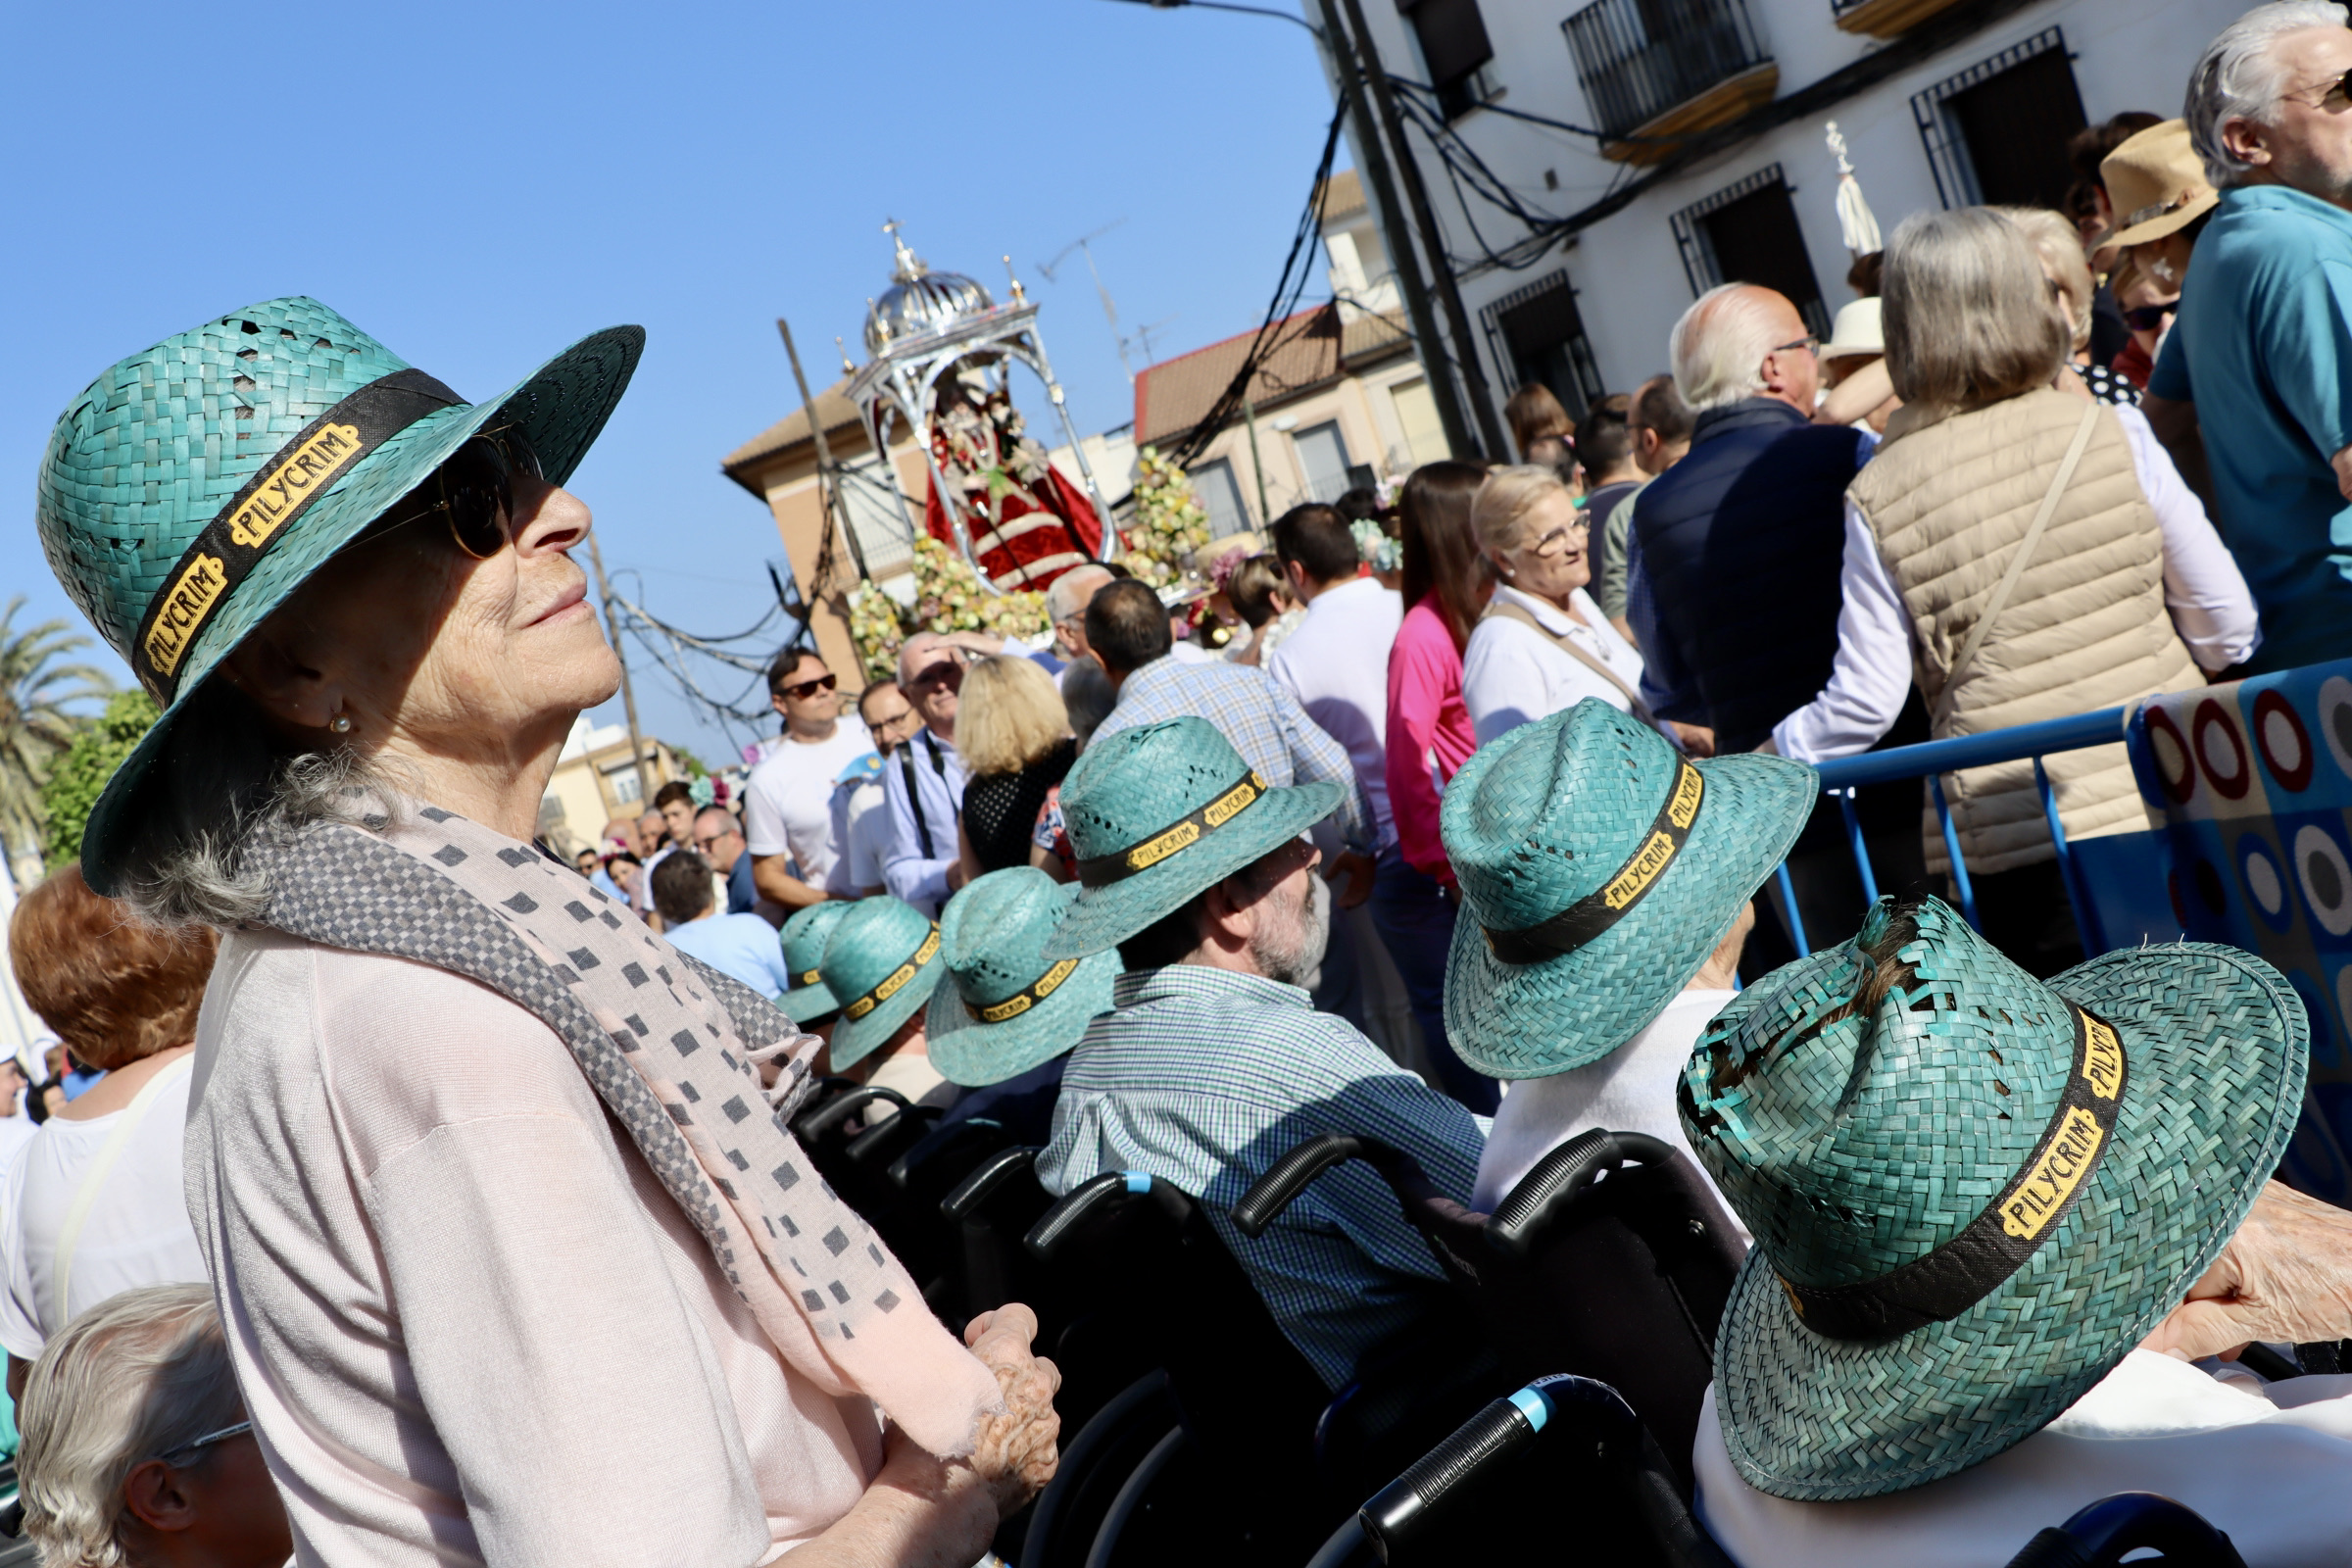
[1065, 608]
[1738, 559]
[2263, 343]
[922, 786]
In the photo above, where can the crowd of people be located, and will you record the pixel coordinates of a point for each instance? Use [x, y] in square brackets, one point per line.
[393, 1168]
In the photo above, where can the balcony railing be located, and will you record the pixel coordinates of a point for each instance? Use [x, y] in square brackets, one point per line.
[1638, 59]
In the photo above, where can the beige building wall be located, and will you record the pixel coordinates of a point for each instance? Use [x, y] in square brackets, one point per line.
[589, 789]
[1387, 418]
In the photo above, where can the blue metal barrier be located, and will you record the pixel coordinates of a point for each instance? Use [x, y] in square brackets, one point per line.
[1932, 759]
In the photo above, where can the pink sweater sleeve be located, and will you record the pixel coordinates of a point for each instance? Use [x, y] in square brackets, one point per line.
[1424, 670]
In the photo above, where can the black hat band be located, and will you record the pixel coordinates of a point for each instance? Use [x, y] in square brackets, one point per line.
[1027, 997]
[1963, 1271]
[1186, 831]
[897, 980]
[1588, 916]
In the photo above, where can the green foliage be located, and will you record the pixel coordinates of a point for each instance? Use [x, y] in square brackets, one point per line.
[692, 764]
[76, 778]
[36, 723]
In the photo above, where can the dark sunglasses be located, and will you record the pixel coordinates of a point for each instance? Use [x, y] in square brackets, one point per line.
[476, 487]
[2148, 317]
[809, 688]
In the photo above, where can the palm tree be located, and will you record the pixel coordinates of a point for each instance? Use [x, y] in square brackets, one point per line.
[34, 725]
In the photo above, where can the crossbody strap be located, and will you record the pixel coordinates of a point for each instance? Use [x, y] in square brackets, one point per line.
[1500, 610]
[2017, 567]
[93, 1181]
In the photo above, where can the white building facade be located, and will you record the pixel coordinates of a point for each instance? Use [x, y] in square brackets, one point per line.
[1575, 253]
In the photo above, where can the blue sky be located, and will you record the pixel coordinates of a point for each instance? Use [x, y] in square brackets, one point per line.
[478, 185]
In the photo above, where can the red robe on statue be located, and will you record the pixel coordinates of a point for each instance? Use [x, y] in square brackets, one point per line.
[1029, 524]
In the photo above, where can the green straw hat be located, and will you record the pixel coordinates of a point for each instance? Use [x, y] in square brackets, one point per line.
[1972, 1193]
[1598, 870]
[1160, 813]
[192, 488]
[1008, 1008]
[883, 959]
[805, 936]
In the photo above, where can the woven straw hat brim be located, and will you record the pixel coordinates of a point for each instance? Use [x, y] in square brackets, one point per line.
[561, 407]
[806, 1004]
[854, 1038]
[1533, 1020]
[2162, 225]
[975, 1055]
[2216, 1046]
[1105, 916]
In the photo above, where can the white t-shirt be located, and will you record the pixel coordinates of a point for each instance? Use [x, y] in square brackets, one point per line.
[1631, 1090]
[2268, 1463]
[135, 1232]
[788, 801]
[1513, 675]
[1337, 664]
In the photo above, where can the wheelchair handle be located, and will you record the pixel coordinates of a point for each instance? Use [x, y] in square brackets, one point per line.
[1562, 1176]
[1291, 1175]
[833, 1112]
[902, 1169]
[1505, 1427]
[1078, 1207]
[861, 1149]
[982, 1184]
[2111, 1528]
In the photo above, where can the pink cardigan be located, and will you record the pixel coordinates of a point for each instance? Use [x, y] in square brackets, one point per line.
[1426, 720]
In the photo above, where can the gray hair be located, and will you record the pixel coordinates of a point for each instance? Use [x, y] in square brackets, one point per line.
[2059, 244]
[2240, 76]
[1499, 507]
[1718, 347]
[132, 1379]
[1062, 598]
[225, 777]
[1085, 692]
[1967, 313]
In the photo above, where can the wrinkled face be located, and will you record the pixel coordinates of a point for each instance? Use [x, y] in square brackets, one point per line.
[1792, 368]
[931, 674]
[1292, 929]
[1551, 559]
[2307, 142]
[435, 653]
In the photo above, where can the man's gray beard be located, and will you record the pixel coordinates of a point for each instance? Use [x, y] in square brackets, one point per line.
[1293, 950]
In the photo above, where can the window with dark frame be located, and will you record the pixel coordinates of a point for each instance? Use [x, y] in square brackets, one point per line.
[1749, 233]
[1452, 36]
[1997, 131]
[1538, 336]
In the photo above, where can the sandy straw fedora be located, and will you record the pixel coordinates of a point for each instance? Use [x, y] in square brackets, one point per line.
[882, 960]
[1598, 868]
[1005, 1007]
[1160, 813]
[189, 489]
[2156, 183]
[805, 936]
[1972, 1193]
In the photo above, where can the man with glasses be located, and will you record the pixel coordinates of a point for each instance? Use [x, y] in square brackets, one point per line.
[923, 786]
[719, 839]
[1734, 578]
[2263, 342]
[861, 827]
[788, 801]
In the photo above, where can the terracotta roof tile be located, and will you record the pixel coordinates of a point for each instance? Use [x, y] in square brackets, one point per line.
[1313, 349]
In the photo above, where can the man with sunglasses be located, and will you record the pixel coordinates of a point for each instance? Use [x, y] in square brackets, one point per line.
[2261, 352]
[788, 801]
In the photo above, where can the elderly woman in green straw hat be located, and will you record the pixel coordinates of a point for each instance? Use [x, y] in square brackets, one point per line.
[1007, 1016]
[1605, 889]
[1214, 1062]
[1980, 1202]
[882, 963]
[483, 1171]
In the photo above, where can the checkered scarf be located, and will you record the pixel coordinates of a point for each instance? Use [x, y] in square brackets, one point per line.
[673, 1048]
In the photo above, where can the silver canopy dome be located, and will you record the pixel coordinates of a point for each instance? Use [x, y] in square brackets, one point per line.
[919, 301]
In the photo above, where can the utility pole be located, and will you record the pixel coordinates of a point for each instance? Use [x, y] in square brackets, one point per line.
[1344, 61]
[1258, 465]
[629, 693]
[828, 480]
[1433, 240]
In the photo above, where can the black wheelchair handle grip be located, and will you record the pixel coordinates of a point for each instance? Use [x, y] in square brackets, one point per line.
[1290, 1176]
[982, 1184]
[833, 1112]
[1078, 1207]
[2104, 1532]
[861, 1149]
[902, 1169]
[1560, 1177]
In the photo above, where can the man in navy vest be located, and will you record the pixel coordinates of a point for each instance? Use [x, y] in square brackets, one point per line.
[1740, 546]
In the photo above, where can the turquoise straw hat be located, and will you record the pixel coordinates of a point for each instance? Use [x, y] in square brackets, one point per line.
[1972, 1193]
[805, 936]
[883, 958]
[190, 489]
[1160, 813]
[1007, 1008]
[1598, 870]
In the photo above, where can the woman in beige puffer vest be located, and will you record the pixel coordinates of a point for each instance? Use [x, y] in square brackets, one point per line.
[2124, 569]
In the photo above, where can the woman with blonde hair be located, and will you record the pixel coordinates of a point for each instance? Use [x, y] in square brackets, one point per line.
[2024, 553]
[1014, 736]
[1541, 643]
[2054, 242]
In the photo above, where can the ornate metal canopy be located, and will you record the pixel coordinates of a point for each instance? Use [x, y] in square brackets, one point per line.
[927, 325]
